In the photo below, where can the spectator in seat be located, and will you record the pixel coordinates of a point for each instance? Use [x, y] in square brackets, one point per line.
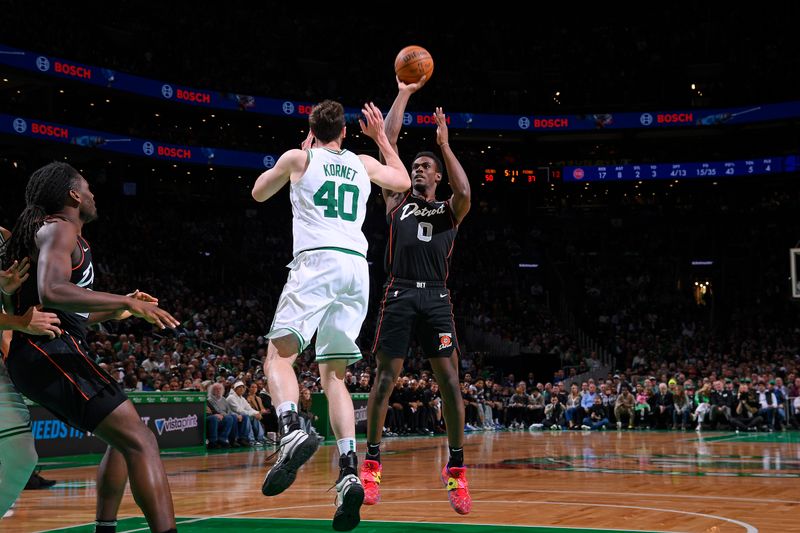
[663, 403]
[746, 410]
[597, 418]
[307, 418]
[250, 429]
[623, 410]
[554, 413]
[221, 421]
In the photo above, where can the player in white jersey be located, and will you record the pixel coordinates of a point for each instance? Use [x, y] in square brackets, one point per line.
[17, 451]
[328, 287]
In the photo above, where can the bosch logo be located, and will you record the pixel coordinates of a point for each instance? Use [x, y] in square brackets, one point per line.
[73, 70]
[524, 123]
[148, 148]
[679, 118]
[407, 119]
[269, 161]
[20, 126]
[194, 96]
[550, 123]
[578, 174]
[42, 63]
[166, 90]
[646, 119]
[288, 107]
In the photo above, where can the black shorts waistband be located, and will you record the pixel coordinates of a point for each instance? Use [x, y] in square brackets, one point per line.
[415, 284]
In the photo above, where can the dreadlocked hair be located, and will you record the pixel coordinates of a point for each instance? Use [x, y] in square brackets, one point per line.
[45, 194]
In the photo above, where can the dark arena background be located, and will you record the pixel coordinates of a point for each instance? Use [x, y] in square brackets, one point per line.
[634, 225]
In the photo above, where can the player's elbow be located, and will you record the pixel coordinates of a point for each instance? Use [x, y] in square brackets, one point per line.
[403, 184]
[257, 195]
[49, 297]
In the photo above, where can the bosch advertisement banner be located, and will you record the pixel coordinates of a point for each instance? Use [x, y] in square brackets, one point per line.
[102, 140]
[176, 424]
[62, 68]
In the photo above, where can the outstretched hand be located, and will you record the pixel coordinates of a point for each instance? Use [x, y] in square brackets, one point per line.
[411, 87]
[150, 311]
[12, 278]
[137, 295]
[441, 127]
[308, 142]
[374, 125]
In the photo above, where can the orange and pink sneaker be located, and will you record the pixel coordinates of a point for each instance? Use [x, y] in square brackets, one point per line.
[455, 480]
[371, 480]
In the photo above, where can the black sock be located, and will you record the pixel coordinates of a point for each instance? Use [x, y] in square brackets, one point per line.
[374, 452]
[289, 421]
[105, 526]
[456, 457]
[348, 464]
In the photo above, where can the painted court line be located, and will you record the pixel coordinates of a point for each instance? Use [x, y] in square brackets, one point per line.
[659, 496]
[747, 527]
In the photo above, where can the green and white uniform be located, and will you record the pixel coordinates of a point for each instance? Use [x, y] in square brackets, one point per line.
[328, 286]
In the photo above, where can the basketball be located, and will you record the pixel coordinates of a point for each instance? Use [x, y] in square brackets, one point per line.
[412, 63]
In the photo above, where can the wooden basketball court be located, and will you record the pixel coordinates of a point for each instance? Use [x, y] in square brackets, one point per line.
[544, 482]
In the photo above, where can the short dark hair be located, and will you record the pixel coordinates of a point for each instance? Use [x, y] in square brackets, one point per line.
[439, 166]
[327, 120]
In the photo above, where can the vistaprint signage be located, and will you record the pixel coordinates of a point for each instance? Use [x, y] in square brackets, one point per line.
[175, 424]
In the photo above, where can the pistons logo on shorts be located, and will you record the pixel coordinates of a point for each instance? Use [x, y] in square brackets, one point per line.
[445, 340]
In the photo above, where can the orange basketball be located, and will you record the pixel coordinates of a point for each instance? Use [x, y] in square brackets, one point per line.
[412, 63]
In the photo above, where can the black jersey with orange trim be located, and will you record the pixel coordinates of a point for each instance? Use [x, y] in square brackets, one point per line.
[421, 238]
[82, 276]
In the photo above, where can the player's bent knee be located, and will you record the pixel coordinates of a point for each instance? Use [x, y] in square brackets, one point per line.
[384, 384]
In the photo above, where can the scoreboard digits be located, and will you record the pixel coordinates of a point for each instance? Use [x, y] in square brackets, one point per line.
[658, 171]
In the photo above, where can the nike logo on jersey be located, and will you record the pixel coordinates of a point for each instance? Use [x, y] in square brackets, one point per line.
[85, 250]
[442, 295]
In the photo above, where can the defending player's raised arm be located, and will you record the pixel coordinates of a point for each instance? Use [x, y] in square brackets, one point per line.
[272, 180]
[393, 175]
[459, 183]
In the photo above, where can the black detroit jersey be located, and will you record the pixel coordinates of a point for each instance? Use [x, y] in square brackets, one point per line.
[421, 238]
[82, 276]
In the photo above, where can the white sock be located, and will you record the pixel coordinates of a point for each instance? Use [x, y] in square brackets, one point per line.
[345, 445]
[286, 407]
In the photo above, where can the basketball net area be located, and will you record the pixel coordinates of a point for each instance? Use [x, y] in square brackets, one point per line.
[794, 260]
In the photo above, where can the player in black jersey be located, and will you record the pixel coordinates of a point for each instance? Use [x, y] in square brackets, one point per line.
[57, 373]
[416, 301]
[17, 448]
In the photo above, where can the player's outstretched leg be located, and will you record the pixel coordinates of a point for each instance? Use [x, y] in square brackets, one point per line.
[296, 446]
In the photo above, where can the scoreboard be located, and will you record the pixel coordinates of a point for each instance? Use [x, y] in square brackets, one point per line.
[659, 171]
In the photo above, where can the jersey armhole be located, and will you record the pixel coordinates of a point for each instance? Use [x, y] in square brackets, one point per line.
[309, 157]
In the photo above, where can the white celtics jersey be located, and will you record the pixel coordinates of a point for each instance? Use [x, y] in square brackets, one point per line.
[329, 203]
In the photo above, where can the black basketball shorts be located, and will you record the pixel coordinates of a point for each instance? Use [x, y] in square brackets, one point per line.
[58, 375]
[415, 310]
